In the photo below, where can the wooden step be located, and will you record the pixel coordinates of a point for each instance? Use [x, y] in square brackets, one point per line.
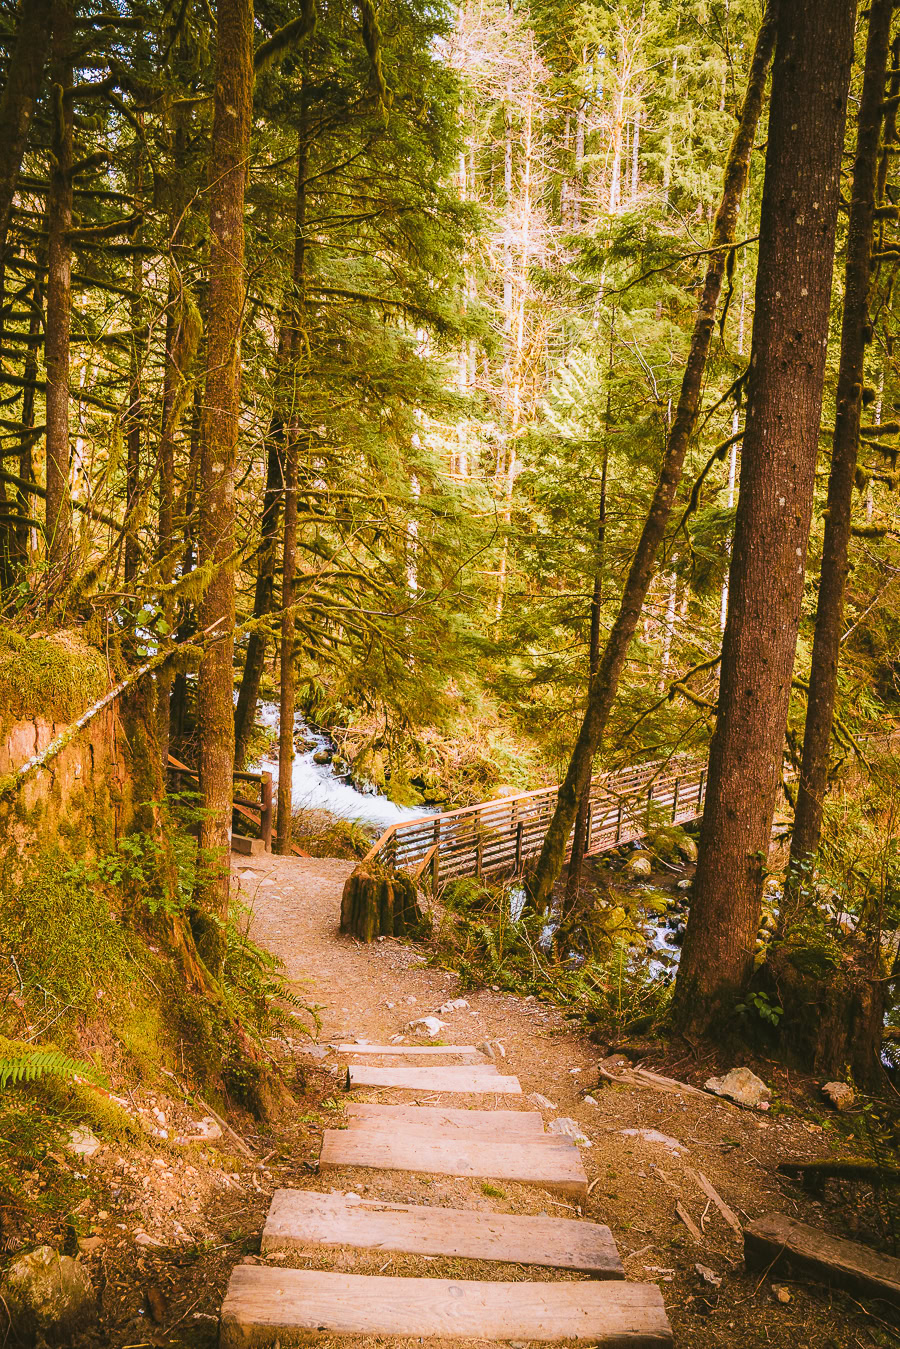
[554, 1163]
[450, 1050]
[301, 1218]
[481, 1080]
[503, 1123]
[294, 1306]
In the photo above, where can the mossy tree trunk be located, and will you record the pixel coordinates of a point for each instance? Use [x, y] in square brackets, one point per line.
[59, 293]
[232, 117]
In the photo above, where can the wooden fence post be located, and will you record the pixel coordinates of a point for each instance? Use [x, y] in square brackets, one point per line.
[265, 814]
[675, 802]
[619, 823]
[520, 830]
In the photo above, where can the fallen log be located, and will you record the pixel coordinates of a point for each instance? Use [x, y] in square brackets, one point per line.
[777, 1242]
[814, 1174]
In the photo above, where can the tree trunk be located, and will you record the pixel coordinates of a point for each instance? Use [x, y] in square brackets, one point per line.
[606, 681]
[784, 402]
[23, 82]
[134, 416]
[297, 313]
[287, 700]
[580, 840]
[248, 696]
[180, 353]
[59, 294]
[227, 179]
[855, 332]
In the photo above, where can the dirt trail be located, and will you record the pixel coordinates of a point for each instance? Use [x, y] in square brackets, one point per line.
[645, 1148]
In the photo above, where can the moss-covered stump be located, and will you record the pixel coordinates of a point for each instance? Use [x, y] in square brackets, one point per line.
[833, 1009]
[379, 903]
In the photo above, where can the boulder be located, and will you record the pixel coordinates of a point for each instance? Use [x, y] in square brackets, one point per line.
[687, 847]
[48, 1296]
[840, 1094]
[742, 1086]
[639, 865]
[322, 756]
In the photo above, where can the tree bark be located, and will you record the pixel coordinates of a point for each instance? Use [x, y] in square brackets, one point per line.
[855, 332]
[227, 180]
[580, 840]
[297, 312]
[134, 416]
[810, 79]
[264, 593]
[606, 681]
[58, 525]
[17, 104]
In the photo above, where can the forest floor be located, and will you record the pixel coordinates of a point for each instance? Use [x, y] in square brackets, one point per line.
[190, 1216]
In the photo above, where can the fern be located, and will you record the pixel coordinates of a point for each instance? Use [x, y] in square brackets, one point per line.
[23, 1063]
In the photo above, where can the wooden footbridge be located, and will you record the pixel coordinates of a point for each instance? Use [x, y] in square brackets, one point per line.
[501, 835]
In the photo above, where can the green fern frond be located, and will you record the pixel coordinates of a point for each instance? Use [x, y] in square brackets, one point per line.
[20, 1062]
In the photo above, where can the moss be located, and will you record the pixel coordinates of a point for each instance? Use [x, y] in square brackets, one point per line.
[55, 677]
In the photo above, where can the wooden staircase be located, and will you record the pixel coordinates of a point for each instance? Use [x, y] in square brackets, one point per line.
[266, 1307]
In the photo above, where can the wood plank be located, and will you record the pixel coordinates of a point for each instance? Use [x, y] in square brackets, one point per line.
[505, 1123]
[473, 1080]
[452, 1050]
[294, 1306]
[554, 1163]
[782, 1243]
[299, 1218]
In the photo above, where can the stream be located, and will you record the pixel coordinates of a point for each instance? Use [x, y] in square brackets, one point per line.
[316, 786]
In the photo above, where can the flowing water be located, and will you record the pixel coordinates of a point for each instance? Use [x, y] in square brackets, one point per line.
[317, 787]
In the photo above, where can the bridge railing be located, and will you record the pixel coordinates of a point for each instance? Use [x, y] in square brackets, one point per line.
[501, 835]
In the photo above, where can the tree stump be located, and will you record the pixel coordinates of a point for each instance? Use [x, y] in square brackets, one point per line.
[379, 903]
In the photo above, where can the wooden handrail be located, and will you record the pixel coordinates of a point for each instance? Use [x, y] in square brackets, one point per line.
[502, 833]
[261, 815]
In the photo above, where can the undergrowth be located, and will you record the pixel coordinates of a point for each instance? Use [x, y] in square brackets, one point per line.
[599, 969]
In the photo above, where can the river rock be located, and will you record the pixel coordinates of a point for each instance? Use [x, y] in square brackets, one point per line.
[743, 1086]
[48, 1296]
[322, 756]
[639, 865]
[840, 1094]
[687, 847]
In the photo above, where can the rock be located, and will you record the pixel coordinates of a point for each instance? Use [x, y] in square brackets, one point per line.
[48, 1295]
[654, 1136]
[540, 1101]
[322, 756]
[427, 1025]
[841, 1096]
[589, 1100]
[687, 847]
[685, 885]
[639, 865]
[569, 1128]
[144, 1239]
[205, 1131]
[709, 1276]
[742, 1086]
[780, 1293]
[454, 1005]
[83, 1143]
